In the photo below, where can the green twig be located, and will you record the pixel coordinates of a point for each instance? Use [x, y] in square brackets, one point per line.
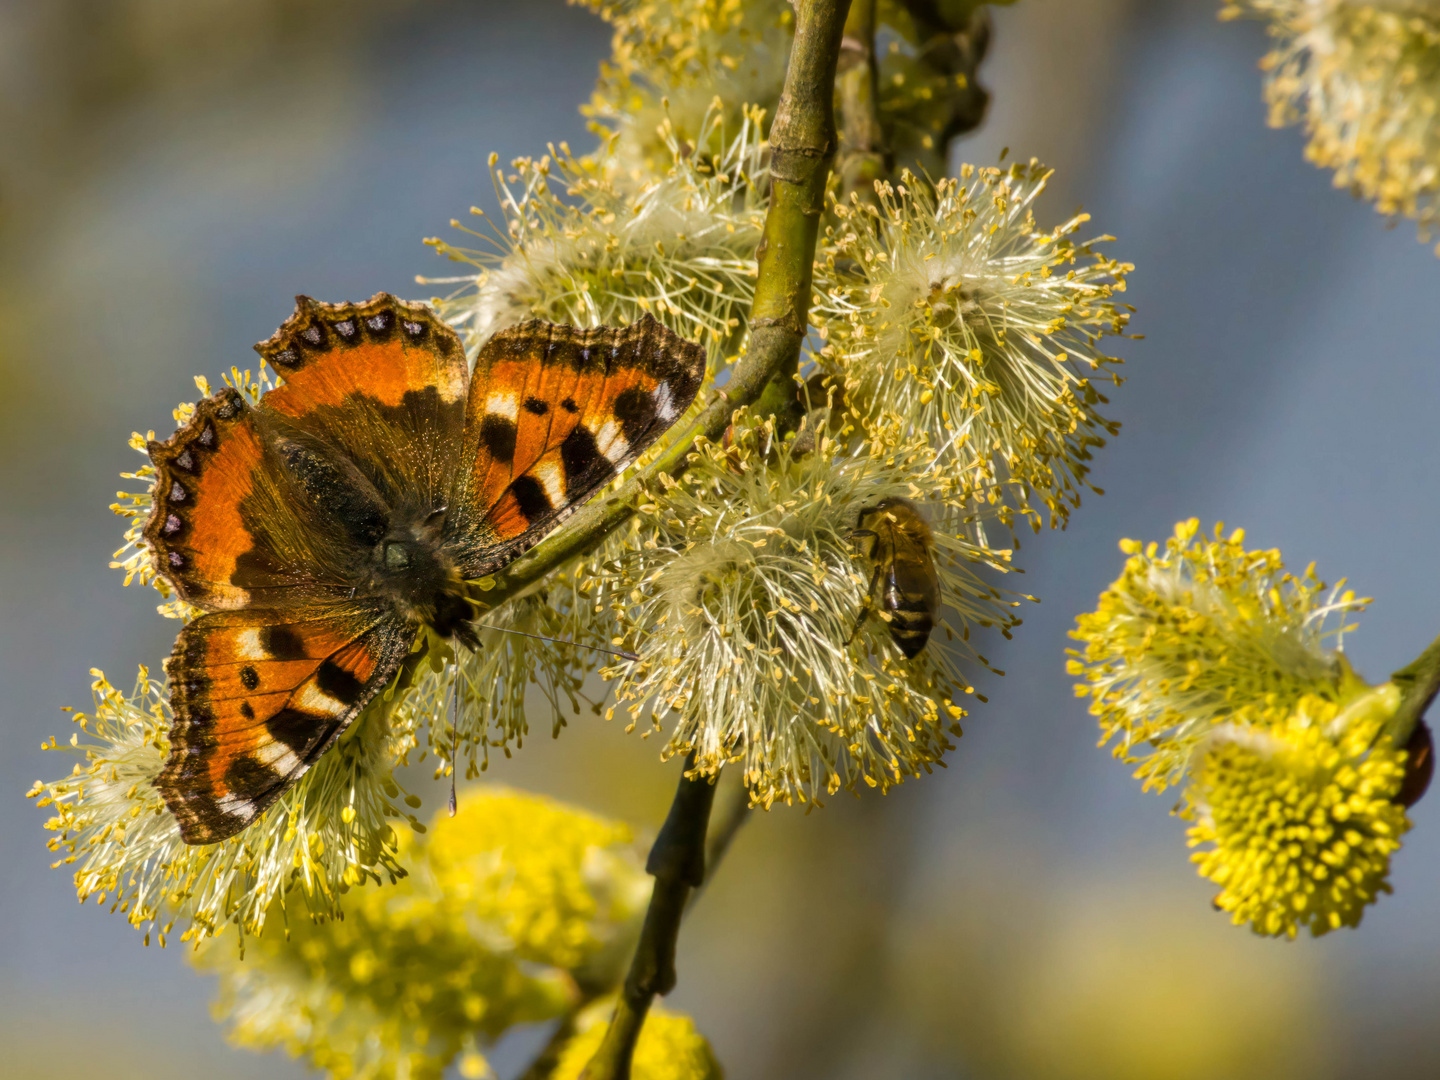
[802, 146]
[864, 156]
[802, 142]
[1418, 681]
[677, 862]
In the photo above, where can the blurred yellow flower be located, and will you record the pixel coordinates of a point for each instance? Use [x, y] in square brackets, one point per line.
[669, 1048]
[1300, 817]
[1044, 970]
[514, 911]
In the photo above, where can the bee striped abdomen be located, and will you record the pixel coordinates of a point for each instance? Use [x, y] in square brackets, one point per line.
[912, 608]
[906, 581]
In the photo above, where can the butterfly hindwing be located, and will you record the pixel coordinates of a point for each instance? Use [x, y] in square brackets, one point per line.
[258, 696]
[553, 414]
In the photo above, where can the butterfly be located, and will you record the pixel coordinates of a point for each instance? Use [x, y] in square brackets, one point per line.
[319, 528]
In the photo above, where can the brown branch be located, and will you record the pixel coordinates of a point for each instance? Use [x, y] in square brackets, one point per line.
[677, 862]
[714, 842]
[734, 811]
[802, 147]
[544, 1063]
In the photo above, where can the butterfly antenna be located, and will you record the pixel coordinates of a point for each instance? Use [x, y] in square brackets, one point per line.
[559, 641]
[454, 738]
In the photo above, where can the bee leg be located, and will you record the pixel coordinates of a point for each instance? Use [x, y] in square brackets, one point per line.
[864, 614]
[865, 607]
[856, 534]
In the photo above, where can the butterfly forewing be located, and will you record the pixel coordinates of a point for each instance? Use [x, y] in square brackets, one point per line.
[553, 414]
[204, 541]
[381, 384]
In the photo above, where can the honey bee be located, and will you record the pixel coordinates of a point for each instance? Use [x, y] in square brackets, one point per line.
[896, 539]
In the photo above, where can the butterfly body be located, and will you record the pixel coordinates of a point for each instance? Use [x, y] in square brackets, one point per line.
[897, 540]
[321, 527]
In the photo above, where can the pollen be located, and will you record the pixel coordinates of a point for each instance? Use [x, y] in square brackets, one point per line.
[598, 250]
[1364, 82]
[122, 842]
[748, 613]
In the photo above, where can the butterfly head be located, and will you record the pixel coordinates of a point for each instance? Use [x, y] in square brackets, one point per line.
[410, 568]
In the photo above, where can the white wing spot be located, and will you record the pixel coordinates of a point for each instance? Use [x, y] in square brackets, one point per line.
[277, 756]
[233, 805]
[612, 442]
[248, 647]
[665, 402]
[552, 479]
[451, 384]
[312, 699]
[501, 403]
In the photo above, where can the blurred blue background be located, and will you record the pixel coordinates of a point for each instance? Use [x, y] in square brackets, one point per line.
[172, 174]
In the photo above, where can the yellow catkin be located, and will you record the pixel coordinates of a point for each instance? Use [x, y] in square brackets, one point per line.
[1190, 633]
[503, 906]
[1296, 823]
[1364, 80]
[949, 312]
[669, 1049]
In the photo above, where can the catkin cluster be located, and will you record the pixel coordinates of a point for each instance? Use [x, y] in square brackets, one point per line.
[1210, 666]
[1363, 78]
[955, 370]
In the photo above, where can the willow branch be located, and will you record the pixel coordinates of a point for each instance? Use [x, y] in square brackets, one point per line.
[802, 147]
[1419, 682]
[733, 812]
[544, 1063]
[677, 862]
[864, 156]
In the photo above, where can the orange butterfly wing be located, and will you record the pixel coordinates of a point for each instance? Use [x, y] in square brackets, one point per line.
[382, 383]
[553, 414]
[209, 462]
[262, 513]
[258, 696]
